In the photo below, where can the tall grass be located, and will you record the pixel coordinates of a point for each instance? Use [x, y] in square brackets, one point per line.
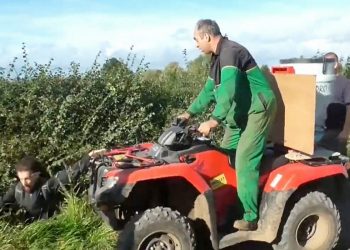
[76, 227]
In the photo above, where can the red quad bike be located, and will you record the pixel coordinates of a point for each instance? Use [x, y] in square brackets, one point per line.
[181, 193]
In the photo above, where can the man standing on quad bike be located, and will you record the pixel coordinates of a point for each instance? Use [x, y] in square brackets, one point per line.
[38, 195]
[245, 105]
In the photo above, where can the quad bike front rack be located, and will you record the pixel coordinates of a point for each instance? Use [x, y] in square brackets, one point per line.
[132, 157]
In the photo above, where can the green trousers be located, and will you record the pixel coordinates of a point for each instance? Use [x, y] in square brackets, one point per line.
[249, 143]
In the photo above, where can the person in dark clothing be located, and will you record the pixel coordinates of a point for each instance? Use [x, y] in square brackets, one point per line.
[337, 124]
[336, 115]
[38, 194]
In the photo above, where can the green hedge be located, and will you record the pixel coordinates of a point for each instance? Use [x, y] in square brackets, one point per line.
[57, 116]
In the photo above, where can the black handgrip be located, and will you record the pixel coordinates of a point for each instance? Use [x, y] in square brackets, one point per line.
[180, 122]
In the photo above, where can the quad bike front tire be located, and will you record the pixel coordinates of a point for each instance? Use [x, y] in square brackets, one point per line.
[157, 228]
[313, 224]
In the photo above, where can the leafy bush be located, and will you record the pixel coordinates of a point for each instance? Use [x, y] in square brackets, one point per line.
[57, 116]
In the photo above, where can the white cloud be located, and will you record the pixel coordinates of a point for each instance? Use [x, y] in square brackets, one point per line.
[269, 35]
[273, 36]
[83, 36]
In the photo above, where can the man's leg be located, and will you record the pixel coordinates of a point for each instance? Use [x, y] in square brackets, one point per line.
[229, 143]
[248, 157]
[231, 138]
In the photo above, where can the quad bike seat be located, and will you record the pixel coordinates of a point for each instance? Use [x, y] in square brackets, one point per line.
[270, 161]
[321, 156]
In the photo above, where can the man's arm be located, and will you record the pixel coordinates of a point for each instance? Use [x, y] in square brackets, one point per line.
[205, 97]
[345, 134]
[72, 174]
[230, 70]
[9, 197]
[346, 128]
[225, 93]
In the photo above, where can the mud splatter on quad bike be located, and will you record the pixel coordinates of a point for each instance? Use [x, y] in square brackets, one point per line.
[180, 193]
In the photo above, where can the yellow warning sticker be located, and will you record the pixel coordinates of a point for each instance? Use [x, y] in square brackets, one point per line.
[218, 181]
[119, 157]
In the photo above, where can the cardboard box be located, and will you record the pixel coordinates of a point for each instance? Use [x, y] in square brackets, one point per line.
[294, 126]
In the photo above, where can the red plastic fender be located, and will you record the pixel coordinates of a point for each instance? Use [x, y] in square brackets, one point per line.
[291, 176]
[132, 176]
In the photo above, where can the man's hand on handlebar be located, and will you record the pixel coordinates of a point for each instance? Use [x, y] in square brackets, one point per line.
[185, 116]
[97, 153]
[182, 119]
[205, 127]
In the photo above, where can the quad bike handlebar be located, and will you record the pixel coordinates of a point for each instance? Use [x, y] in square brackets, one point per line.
[178, 137]
[181, 122]
[190, 130]
[187, 133]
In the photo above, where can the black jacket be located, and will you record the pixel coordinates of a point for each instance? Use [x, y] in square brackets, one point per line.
[44, 201]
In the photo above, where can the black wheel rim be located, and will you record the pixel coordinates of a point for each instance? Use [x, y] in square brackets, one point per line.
[313, 231]
[160, 241]
[306, 229]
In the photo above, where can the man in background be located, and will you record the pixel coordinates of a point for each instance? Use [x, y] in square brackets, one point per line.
[338, 112]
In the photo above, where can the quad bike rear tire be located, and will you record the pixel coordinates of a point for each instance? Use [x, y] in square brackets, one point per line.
[157, 228]
[313, 224]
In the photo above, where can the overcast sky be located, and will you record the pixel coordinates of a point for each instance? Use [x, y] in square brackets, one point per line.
[76, 30]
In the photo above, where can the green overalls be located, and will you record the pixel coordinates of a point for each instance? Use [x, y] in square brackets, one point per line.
[246, 106]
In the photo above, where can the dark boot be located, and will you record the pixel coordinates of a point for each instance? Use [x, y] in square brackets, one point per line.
[244, 225]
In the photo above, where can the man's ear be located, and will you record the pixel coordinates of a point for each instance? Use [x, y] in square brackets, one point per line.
[207, 37]
[36, 174]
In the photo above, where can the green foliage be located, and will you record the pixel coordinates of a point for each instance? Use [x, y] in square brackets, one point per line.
[76, 227]
[179, 86]
[57, 116]
[346, 68]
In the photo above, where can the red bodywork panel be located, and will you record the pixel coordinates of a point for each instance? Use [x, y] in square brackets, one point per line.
[292, 175]
[211, 164]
